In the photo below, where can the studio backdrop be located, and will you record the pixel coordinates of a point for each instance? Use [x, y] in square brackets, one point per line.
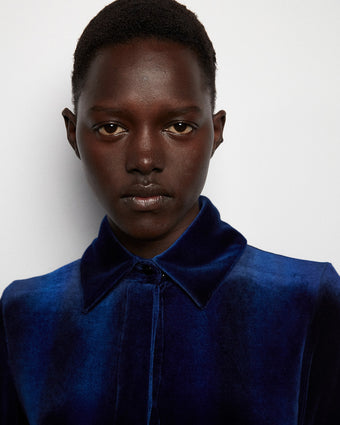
[276, 178]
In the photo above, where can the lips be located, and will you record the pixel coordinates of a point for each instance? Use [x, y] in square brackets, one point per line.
[141, 191]
[146, 198]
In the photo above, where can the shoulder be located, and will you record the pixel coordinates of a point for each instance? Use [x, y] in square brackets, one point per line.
[280, 271]
[46, 288]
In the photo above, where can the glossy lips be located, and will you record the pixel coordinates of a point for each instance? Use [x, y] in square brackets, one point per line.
[146, 198]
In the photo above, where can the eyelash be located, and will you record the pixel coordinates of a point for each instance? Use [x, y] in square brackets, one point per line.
[115, 126]
[180, 133]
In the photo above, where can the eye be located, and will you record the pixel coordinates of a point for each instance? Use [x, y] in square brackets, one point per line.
[110, 129]
[180, 127]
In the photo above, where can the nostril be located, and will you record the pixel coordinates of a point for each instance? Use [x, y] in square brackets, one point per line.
[144, 162]
[144, 171]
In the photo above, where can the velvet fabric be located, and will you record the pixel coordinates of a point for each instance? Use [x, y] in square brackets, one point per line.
[210, 332]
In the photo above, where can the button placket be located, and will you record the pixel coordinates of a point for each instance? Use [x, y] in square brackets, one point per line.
[151, 273]
[141, 343]
[139, 346]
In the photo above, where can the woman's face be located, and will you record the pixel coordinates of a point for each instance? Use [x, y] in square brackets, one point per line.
[145, 133]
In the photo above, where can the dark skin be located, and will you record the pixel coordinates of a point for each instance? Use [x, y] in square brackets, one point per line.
[145, 132]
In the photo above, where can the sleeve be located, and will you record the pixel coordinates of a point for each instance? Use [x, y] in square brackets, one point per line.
[323, 391]
[11, 412]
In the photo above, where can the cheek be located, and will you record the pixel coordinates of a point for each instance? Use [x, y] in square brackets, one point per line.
[192, 169]
[102, 169]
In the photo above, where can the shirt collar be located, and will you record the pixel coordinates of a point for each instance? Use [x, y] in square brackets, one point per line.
[197, 262]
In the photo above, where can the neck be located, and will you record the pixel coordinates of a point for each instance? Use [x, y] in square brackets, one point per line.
[150, 247]
[145, 249]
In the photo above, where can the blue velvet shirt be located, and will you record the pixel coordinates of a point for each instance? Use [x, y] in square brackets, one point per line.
[210, 332]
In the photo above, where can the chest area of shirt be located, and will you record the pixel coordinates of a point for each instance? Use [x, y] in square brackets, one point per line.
[146, 353]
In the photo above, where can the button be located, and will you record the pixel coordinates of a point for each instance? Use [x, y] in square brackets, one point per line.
[147, 272]
[147, 268]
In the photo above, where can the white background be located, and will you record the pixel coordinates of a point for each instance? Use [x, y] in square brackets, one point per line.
[276, 177]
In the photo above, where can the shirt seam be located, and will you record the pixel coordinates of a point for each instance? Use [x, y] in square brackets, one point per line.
[308, 355]
[8, 360]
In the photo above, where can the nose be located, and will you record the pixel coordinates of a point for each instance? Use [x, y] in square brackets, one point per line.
[145, 153]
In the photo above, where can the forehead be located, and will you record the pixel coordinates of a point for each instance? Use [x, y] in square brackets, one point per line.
[147, 70]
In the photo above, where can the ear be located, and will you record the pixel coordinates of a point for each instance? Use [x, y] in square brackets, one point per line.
[70, 124]
[218, 121]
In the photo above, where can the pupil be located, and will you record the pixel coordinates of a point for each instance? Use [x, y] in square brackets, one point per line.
[180, 126]
[111, 128]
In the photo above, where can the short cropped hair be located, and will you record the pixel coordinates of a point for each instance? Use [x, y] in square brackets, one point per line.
[124, 20]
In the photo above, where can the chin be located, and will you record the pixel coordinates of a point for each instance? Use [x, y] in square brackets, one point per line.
[148, 234]
[141, 228]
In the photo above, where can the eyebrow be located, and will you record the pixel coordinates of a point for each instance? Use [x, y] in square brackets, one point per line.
[185, 110]
[175, 111]
[98, 108]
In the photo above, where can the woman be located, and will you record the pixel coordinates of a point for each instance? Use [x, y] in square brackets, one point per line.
[170, 317]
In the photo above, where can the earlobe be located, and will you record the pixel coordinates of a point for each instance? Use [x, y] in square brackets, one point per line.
[70, 124]
[219, 121]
